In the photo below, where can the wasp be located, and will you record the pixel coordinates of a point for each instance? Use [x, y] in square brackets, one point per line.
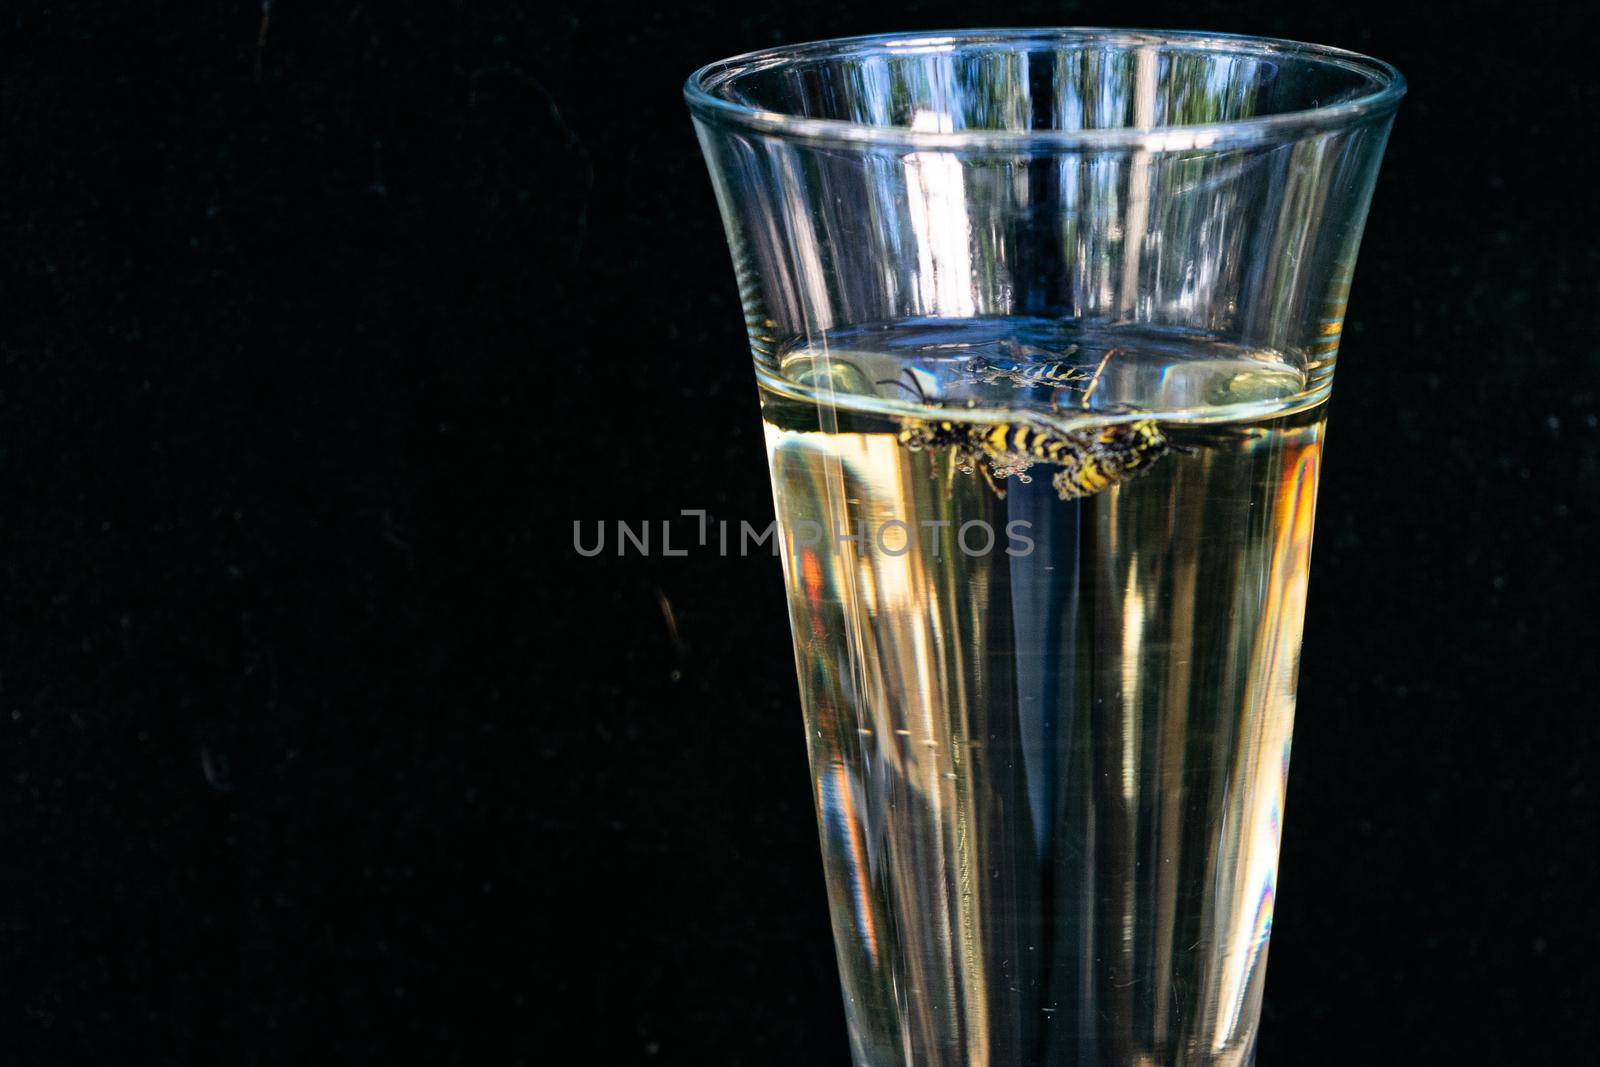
[1087, 461]
[1054, 371]
[977, 448]
[1093, 460]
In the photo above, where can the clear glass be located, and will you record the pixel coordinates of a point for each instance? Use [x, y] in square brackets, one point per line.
[1044, 325]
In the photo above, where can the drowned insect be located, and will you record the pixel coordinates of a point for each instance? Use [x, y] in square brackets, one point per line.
[971, 443]
[1087, 461]
[1023, 375]
[1093, 460]
[1054, 370]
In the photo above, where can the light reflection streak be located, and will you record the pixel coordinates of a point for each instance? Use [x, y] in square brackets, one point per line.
[836, 798]
[1133, 623]
[1133, 236]
[937, 208]
[1262, 769]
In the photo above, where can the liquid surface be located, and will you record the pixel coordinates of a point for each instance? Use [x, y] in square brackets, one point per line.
[1049, 736]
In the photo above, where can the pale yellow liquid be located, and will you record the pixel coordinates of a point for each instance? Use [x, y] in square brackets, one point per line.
[1050, 785]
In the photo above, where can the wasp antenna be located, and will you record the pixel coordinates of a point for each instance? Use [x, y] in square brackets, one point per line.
[915, 388]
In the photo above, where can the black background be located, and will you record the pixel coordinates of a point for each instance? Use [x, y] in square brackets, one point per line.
[320, 741]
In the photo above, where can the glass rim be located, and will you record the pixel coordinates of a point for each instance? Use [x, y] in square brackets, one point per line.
[1387, 86]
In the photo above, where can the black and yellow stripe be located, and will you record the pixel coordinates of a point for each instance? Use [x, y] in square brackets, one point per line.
[1055, 374]
[1089, 461]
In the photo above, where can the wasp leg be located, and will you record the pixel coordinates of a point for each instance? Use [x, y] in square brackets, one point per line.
[1094, 379]
[989, 480]
[1070, 383]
